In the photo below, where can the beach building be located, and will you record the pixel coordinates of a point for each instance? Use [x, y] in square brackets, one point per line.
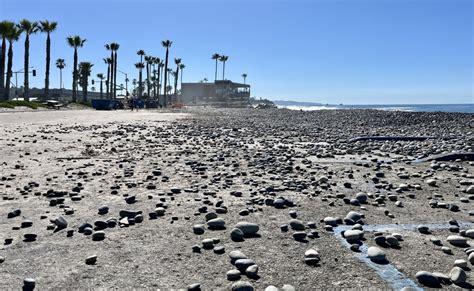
[222, 93]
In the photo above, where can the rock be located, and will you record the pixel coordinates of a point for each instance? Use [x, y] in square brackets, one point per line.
[427, 278]
[29, 283]
[26, 223]
[252, 271]
[423, 229]
[129, 213]
[60, 223]
[311, 257]
[431, 182]
[194, 287]
[470, 189]
[242, 286]
[243, 264]
[91, 260]
[296, 224]
[470, 233]
[208, 243]
[375, 254]
[219, 250]
[216, 223]
[236, 255]
[103, 210]
[160, 211]
[457, 240]
[392, 241]
[352, 218]
[353, 235]
[457, 275]
[271, 288]
[460, 263]
[30, 237]
[249, 229]
[362, 197]
[98, 235]
[299, 235]
[210, 216]
[332, 221]
[233, 275]
[237, 234]
[199, 229]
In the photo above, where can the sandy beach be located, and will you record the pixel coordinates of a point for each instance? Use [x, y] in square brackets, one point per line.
[157, 197]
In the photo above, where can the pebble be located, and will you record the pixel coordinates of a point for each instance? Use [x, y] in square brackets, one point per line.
[237, 234]
[98, 235]
[216, 223]
[242, 286]
[199, 229]
[208, 243]
[427, 278]
[460, 263]
[252, 271]
[233, 275]
[236, 255]
[457, 275]
[249, 229]
[243, 264]
[457, 240]
[376, 254]
[91, 260]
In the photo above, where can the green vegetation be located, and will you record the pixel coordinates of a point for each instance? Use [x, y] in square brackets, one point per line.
[13, 104]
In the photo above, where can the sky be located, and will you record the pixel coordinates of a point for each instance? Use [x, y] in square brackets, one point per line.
[328, 51]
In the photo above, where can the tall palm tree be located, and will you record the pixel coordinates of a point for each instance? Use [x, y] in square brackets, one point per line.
[166, 44]
[47, 27]
[149, 61]
[140, 66]
[75, 42]
[101, 78]
[85, 71]
[28, 28]
[216, 57]
[108, 62]
[110, 76]
[60, 64]
[13, 35]
[177, 61]
[5, 27]
[115, 46]
[161, 65]
[223, 59]
[244, 76]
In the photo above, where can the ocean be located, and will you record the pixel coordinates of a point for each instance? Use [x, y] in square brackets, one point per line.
[464, 108]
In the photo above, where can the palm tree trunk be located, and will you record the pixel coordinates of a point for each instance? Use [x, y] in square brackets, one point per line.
[181, 84]
[74, 78]
[140, 85]
[176, 84]
[27, 61]
[112, 85]
[6, 93]
[61, 80]
[215, 78]
[107, 82]
[2, 64]
[48, 61]
[101, 88]
[223, 71]
[166, 76]
[115, 75]
[148, 78]
[84, 89]
[154, 82]
[158, 85]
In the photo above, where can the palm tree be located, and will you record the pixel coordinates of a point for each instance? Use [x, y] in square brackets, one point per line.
[140, 66]
[244, 76]
[101, 78]
[75, 42]
[47, 27]
[149, 61]
[160, 76]
[110, 76]
[60, 64]
[177, 61]
[166, 44]
[216, 57]
[28, 28]
[223, 59]
[5, 27]
[114, 46]
[13, 34]
[85, 71]
[108, 62]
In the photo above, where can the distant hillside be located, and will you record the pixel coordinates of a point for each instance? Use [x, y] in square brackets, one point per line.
[295, 103]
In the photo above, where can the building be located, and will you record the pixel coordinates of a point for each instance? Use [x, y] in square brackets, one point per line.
[223, 93]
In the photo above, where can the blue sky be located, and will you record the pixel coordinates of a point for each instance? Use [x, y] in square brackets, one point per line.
[331, 51]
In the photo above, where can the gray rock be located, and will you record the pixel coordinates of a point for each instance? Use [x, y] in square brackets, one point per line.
[427, 278]
[60, 222]
[233, 275]
[208, 243]
[91, 260]
[243, 264]
[216, 223]
[236, 255]
[248, 228]
[457, 275]
[252, 271]
[299, 235]
[288, 287]
[198, 229]
[237, 234]
[392, 241]
[332, 221]
[457, 240]
[460, 263]
[375, 254]
[98, 235]
[242, 286]
[353, 235]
